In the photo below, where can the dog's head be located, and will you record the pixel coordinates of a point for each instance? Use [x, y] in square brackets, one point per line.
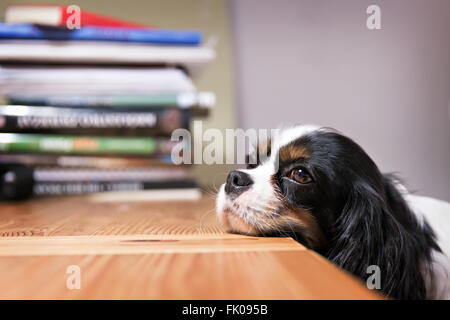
[322, 189]
[299, 189]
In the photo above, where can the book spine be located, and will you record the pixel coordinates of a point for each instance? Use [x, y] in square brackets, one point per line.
[40, 143]
[75, 188]
[118, 101]
[72, 161]
[182, 100]
[56, 174]
[91, 19]
[92, 33]
[91, 121]
[38, 14]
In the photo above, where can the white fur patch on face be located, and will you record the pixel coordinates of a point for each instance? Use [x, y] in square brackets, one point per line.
[254, 209]
[289, 134]
[246, 213]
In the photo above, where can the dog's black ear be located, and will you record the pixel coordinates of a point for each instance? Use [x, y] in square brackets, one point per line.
[376, 227]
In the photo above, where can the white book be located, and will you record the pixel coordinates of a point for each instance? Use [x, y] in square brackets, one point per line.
[192, 194]
[91, 80]
[193, 59]
[45, 15]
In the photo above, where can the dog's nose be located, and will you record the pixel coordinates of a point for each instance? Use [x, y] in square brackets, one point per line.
[237, 182]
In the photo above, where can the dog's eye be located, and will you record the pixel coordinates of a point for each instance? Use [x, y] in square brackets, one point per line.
[300, 175]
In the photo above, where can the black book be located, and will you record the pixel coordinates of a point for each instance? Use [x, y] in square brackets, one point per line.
[93, 121]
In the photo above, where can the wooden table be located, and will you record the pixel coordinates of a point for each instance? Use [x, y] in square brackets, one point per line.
[153, 250]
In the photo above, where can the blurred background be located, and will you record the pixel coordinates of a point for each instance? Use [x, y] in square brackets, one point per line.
[388, 89]
[305, 61]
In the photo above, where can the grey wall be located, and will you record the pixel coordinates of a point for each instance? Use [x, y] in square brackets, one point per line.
[316, 62]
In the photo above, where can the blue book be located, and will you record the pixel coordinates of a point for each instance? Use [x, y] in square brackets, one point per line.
[90, 33]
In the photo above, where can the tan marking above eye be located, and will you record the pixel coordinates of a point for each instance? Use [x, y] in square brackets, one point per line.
[293, 152]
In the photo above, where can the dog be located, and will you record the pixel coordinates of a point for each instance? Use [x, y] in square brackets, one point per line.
[321, 188]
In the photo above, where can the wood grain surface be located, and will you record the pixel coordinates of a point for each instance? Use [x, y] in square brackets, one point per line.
[153, 250]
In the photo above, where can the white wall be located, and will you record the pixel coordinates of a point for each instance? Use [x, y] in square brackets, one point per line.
[316, 62]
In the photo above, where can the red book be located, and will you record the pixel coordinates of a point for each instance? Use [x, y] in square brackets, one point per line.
[58, 15]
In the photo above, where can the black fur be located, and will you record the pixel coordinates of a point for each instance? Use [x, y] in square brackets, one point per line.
[364, 217]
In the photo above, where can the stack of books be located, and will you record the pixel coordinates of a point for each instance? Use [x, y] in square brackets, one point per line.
[92, 109]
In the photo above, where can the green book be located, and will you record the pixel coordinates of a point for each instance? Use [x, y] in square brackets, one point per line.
[43, 143]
